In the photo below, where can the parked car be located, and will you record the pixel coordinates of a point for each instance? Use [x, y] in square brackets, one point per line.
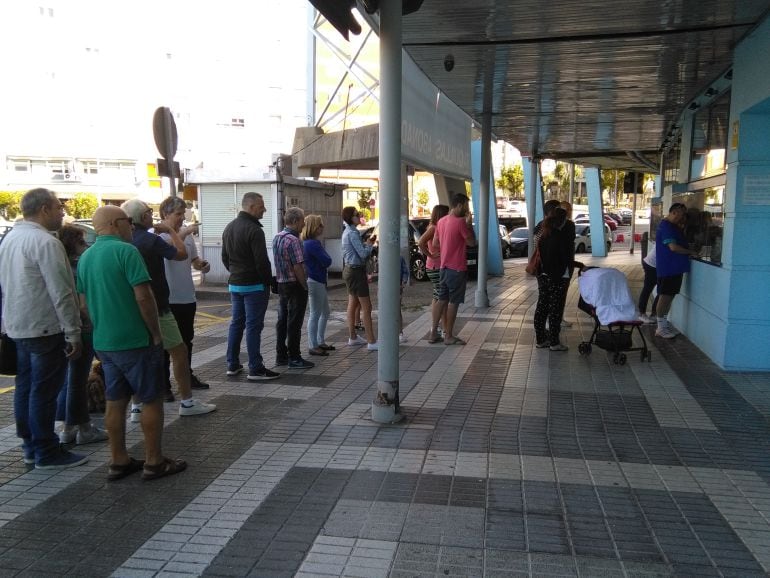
[519, 240]
[88, 227]
[583, 238]
[625, 214]
[615, 217]
[613, 224]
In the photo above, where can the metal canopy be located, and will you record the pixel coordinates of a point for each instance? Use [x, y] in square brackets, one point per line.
[599, 82]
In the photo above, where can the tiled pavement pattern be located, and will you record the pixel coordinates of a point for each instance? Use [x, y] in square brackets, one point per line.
[512, 462]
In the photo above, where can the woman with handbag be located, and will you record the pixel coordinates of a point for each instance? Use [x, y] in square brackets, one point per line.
[556, 247]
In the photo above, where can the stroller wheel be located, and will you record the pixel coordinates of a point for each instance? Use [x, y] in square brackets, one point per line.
[622, 359]
[584, 348]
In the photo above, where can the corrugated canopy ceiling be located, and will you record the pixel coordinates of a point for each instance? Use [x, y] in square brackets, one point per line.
[588, 81]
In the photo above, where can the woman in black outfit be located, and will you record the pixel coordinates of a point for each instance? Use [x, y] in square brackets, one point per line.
[557, 261]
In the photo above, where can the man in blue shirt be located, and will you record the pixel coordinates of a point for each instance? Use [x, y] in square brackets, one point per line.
[673, 261]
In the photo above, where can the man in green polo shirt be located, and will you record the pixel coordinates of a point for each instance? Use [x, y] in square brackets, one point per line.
[114, 286]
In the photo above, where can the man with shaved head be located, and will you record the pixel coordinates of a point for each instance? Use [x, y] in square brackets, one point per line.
[114, 286]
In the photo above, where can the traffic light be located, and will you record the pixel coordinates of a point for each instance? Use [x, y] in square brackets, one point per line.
[339, 15]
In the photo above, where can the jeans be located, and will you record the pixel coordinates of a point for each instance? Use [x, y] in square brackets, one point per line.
[42, 366]
[319, 313]
[248, 312]
[291, 314]
[72, 404]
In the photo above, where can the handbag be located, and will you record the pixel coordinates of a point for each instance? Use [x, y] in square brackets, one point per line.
[533, 265]
[7, 355]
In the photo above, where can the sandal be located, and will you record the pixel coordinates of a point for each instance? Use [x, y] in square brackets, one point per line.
[437, 339]
[318, 351]
[120, 471]
[326, 347]
[167, 467]
[455, 341]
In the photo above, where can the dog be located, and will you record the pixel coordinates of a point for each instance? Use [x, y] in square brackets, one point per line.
[95, 385]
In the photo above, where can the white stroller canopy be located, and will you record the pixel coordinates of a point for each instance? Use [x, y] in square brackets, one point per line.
[607, 291]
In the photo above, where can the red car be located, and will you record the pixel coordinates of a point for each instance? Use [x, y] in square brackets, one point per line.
[612, 223]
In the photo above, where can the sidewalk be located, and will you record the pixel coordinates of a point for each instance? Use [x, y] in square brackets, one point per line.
[513, 461]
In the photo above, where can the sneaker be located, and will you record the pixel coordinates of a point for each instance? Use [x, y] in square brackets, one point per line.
[29, 458]
[196, 383]
[280, 361]
[543, 345]
[357, 341]
[90, 435]
[559, 347]
[236, 370]
[565, 323]
[136, 413]
[67, 436]
[263, 375]
[300, 363]
[372, 346]
[402, 338]
[64, 459]
[169, 397]
[665, 333]
[195, 407]
[646, 319]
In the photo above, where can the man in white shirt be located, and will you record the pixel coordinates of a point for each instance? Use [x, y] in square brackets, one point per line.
[41, 313]
[180, 282]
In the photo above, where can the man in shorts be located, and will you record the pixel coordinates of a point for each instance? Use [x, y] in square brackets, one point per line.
[454, 233]
[114, 287]
[154, 251]
[672, 257]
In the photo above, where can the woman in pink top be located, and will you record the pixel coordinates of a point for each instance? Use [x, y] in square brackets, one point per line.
[432, 255]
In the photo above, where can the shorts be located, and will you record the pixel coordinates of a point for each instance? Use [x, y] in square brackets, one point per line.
[670, 285]
[452, 286]
[169, 331]
[435, 278]
[355, 280]
[130, 372]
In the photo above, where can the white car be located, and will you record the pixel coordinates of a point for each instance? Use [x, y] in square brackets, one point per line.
[583, 238]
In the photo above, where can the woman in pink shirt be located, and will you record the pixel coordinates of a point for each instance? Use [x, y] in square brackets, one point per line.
[432, 255]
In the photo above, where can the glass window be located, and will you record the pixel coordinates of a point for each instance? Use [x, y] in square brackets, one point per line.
[709, 139]
[705, 221]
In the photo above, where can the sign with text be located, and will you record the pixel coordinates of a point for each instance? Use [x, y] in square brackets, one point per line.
[435, 132]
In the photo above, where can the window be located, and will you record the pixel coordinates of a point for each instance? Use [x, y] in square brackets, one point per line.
[709, 139]
[705, 220]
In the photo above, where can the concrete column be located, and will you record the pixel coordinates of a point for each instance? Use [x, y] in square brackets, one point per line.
[385, 406]
[594, 186]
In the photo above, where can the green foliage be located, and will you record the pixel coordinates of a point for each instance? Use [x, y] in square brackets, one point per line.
[9, 204]
[82, 205]
[363, 199]
[422, 196]
[608, 178]
[512, 181]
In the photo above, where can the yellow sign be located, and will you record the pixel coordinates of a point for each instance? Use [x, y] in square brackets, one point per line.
[734, 135]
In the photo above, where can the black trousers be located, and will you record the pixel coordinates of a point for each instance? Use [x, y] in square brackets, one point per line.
[291, 316]
[551, 297]
[184, 313]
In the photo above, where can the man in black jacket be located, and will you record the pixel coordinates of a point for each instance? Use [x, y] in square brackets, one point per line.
[244, 255]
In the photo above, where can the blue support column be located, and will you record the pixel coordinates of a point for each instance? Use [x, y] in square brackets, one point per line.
[494, 250]
[533, 194]
[594, 186]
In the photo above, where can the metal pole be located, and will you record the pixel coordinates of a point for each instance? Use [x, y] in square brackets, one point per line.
[481, 298]
[385, 406]
[571, 183]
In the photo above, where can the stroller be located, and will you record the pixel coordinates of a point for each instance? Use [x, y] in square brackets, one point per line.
[605, 296]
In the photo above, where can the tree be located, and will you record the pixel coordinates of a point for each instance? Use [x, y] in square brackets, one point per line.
[9, 204]
[611, 179]
[82, 205]
[422, 197]
[512, 181]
